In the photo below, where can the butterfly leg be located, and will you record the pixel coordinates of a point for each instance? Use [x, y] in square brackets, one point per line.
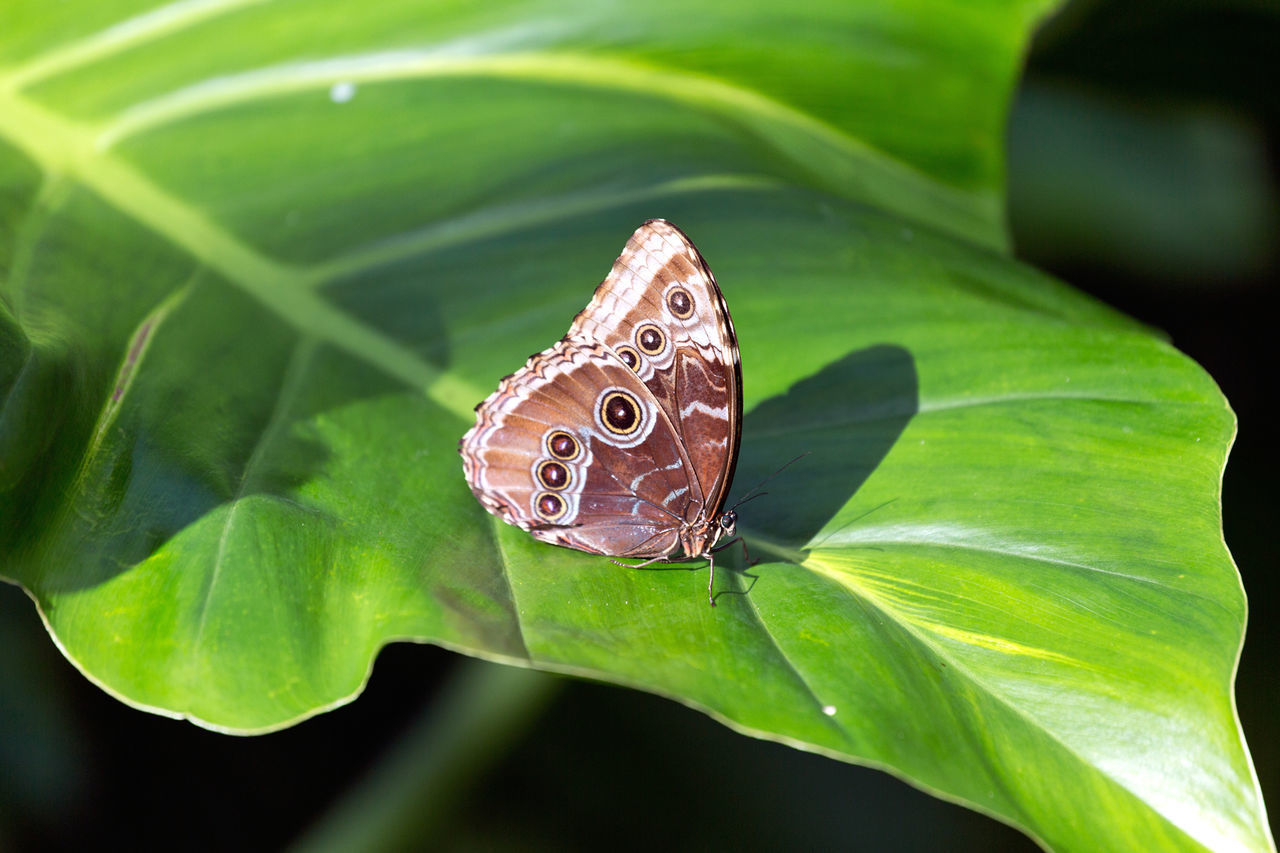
[643, 565]
[746, 557]
[711, 579]
[711, 563]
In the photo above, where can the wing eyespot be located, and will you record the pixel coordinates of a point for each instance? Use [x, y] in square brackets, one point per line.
[629, 357]
[554, 476]
[620, 413]
[549, 506]
[563, 446]
[680, 302]
[650, 339]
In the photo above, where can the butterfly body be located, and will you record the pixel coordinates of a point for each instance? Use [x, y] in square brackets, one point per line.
[622, 437]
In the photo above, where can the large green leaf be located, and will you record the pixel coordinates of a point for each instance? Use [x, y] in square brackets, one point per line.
[241, 240]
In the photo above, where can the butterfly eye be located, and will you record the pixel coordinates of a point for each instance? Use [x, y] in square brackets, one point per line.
[629, 357]
[680, 303]
[562, 445]
[650, 339]
[550, 506]
[553, 475]
[729, 521]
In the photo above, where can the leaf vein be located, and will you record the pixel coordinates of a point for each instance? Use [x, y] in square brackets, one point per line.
[1022, 555]
[795, 671]
[300, 362]
[494, 521]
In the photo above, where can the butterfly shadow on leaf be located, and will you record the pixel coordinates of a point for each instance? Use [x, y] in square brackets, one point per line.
[844, 418]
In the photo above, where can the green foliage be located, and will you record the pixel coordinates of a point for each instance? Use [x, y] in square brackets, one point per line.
[260, 261]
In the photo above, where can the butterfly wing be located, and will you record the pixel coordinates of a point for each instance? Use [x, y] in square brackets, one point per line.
[661, 313]
[574, 449]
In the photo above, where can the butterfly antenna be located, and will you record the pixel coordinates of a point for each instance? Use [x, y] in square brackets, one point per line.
[747, 500]
[751, 494]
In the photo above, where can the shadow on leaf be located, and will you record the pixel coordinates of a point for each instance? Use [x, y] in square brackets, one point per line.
[845, 418]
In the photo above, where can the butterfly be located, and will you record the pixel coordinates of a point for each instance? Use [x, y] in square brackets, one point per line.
[621, 438]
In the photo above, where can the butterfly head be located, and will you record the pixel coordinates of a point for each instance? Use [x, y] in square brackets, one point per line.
[728, 523]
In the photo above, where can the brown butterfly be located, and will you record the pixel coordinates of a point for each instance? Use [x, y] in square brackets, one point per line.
[621, 439]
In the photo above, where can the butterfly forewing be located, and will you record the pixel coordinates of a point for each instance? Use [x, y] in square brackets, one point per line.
[662, 313]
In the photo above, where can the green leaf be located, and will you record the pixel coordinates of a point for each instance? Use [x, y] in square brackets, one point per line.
[260, 261]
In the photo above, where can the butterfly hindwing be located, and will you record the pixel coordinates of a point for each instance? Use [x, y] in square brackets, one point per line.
[574, 449]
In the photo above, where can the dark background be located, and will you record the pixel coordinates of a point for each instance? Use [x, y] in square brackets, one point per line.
[1143, 152]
